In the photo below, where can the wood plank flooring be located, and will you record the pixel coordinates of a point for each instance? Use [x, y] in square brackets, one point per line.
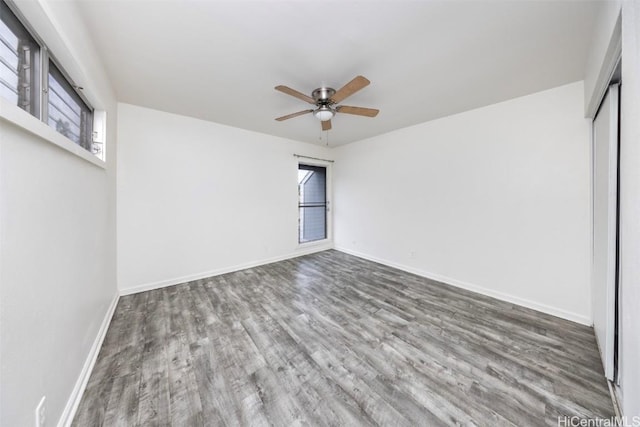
[331, 339]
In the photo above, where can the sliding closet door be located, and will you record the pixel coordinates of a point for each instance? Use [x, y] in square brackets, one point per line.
[605, 218]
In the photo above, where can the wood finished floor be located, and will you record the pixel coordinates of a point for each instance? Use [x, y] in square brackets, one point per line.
[331, 339]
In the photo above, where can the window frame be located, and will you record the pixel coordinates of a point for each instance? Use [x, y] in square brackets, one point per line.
[94, 135]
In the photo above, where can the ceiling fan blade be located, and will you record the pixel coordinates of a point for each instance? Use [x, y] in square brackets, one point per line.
[350, 88]
[358, 111]
[326, 125]
[291, 116]
[295, 93]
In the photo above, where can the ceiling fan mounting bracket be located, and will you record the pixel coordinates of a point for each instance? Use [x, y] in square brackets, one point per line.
[323, 95]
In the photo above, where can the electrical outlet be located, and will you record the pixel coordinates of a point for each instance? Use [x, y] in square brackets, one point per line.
[41, 414]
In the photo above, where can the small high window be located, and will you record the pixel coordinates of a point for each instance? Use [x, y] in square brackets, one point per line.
[30, 79]
[19, 63]
[66, 111]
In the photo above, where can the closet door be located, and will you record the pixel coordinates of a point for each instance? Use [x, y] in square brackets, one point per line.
[605, 223]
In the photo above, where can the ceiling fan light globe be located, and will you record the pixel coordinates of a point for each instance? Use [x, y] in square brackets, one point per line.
[324, 113]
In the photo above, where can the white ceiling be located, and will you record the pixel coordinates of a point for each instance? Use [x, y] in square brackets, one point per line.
[220, 60]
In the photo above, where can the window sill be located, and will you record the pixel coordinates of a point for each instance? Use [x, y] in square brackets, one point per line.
[323, 242]
[20, 118]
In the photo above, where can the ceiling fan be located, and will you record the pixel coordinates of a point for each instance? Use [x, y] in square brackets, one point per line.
[326, 99]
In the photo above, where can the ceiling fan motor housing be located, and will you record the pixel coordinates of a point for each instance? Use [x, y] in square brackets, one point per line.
[323, 95]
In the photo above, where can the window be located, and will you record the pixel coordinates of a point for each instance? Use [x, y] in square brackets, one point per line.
[312, 203]
[19, 63]
[66, 111]
[30, 79]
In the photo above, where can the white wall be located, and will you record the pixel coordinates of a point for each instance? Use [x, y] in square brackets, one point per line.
[197, 198]
[630, 210]
[57, 238]
[495, 199]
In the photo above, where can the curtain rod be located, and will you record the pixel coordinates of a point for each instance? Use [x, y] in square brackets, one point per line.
[314, 158]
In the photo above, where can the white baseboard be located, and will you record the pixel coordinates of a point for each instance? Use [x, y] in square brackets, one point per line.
[76, 394]
[304, 250]
[554, 311]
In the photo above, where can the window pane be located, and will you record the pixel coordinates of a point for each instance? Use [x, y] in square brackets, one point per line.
[18, 63]
[66, 111]
[313, 223]
[312, 203]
